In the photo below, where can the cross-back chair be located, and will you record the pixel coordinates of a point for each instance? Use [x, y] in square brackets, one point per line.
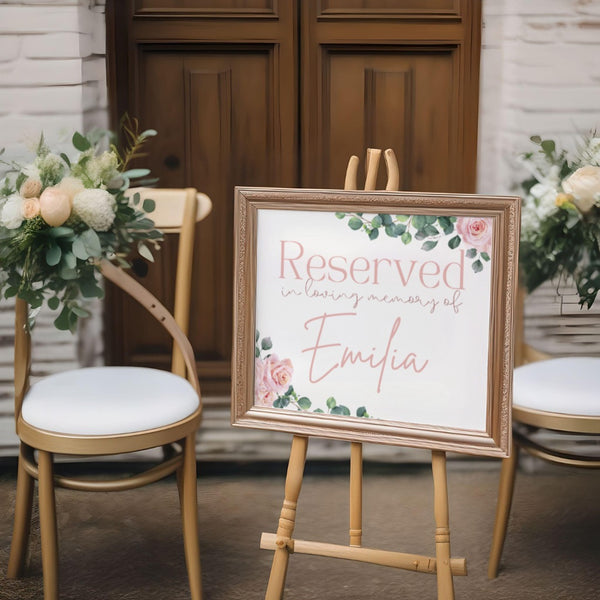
[555, 394]
[113, 410]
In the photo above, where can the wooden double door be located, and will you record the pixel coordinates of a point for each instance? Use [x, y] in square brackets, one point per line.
[281, 93]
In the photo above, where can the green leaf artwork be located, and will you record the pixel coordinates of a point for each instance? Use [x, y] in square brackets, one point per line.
[472, 234]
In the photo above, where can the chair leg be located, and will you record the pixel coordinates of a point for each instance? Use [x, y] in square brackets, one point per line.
[48, 525]
[189, 509]
[505, 495]
[22, 524]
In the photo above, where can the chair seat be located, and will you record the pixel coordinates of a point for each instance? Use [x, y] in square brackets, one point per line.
[560, 385]
[108, 401]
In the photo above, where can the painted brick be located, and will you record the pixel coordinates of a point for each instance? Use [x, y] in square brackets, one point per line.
[558, 98]
[97, 118]
[41, 72]
[541, 7]
[588, 7]
[57, 45]
[94, 68]
[42, 100]
[583, 32]
[547, 75]
[38, 19]
[38, 2]
[10, 47]
[99, 35]
[542, 30]
[25, 130]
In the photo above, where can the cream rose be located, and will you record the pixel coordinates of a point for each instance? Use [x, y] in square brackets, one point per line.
[584, 186]
[31, 208]
[55, 206]
[31, 188]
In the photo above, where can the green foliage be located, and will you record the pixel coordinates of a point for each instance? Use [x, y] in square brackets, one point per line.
[558, 240]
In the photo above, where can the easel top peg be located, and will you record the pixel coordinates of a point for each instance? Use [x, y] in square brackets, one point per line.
[373, 158]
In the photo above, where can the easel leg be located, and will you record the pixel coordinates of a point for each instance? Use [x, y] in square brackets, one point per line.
[287, 520]
[445, 583]
[356, 484]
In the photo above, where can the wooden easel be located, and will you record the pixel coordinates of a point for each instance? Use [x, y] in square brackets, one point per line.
[282, 542]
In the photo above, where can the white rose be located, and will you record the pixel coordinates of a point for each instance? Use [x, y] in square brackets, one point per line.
[584, 186]
[12, 212]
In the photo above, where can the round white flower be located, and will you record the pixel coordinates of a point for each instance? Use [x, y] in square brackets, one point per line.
[12, 212]
[95, 208]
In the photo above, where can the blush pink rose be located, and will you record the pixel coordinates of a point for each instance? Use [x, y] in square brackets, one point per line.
[476, 232]
[278, 373]
[264, 394]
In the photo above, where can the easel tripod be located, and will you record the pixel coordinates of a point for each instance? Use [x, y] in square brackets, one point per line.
[283, 543]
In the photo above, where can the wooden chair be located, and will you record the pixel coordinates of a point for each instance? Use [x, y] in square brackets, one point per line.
[556, 394]
[113, 410]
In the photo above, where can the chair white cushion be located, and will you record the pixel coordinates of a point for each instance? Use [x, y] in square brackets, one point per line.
[108, 400]
[562, 385]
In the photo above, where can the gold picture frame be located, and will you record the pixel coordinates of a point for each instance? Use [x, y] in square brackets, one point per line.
[328, 271]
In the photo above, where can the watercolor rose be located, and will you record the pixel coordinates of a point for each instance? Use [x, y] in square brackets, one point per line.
[272, 377]
[475, 232]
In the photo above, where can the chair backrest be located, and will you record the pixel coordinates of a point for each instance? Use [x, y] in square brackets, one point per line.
[177, 211]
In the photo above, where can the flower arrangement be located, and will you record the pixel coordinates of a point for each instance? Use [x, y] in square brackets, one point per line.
[560, 233]
[273, 384]
[59, 216]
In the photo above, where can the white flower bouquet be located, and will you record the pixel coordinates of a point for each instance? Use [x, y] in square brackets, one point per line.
[560, 233]
[59, 216]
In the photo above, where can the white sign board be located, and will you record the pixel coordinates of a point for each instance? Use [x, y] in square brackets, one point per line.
[376, 316]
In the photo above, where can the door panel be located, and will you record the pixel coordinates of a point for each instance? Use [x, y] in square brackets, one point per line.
[281, 93]
[226, 115]
[394, 82]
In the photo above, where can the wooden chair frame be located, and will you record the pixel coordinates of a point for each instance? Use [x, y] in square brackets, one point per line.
[186, 207]
[533, 420]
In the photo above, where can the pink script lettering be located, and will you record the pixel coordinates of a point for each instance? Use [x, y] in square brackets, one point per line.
[380, 362]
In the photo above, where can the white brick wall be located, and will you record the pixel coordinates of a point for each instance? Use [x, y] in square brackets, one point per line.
[52, 71]
[540, 74]
[52, 79]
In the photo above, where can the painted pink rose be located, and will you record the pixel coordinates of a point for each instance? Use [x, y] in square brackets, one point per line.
[278, 372]
[476, 232]
[264, 394]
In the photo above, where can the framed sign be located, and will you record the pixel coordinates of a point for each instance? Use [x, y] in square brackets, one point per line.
[381, 317]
